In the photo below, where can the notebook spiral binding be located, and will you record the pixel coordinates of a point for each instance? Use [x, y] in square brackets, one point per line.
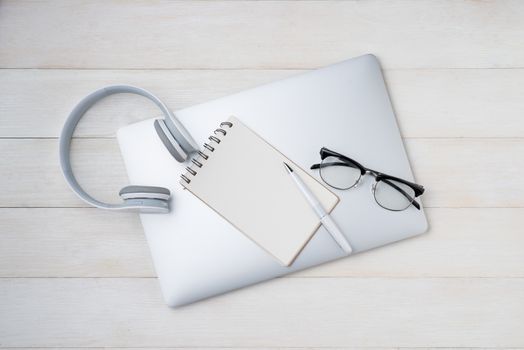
[200, 161]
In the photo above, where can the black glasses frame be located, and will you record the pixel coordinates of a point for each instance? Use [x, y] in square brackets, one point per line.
[346, 161]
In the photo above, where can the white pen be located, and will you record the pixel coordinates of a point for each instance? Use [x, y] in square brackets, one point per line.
[325, 218]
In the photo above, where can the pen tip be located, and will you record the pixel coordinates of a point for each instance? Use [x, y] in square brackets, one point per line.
[288, 168]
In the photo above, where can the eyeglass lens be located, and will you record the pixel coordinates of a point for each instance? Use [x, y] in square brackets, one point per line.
[338, 173]
[393, 195]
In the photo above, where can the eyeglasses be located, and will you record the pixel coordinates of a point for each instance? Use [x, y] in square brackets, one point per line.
[343, 173]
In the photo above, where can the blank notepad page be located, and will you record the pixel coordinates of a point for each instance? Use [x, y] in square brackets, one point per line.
[244, 180]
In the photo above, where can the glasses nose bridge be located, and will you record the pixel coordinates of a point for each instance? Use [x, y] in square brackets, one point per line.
[372, 172]
[374, 184]
[360, 179]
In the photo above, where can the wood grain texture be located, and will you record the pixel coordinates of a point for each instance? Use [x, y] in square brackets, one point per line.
[31, 174]
[266, 34]
[86, 243]
[428, 103]
[456, 172]
[361, 312]
[37, 102]
[462, 242]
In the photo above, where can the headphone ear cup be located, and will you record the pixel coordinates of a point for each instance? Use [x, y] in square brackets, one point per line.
[144, 192]
[148, 206]
[146, 199]
[174, 148]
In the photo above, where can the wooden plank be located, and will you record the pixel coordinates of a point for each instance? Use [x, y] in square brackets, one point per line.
[250, 34]
[357, 312]
[469, 173]
[458, 102]
[65, 242]
[38, 101]
[31, 175]
[456, 172]
[429, 103]
[95, 243]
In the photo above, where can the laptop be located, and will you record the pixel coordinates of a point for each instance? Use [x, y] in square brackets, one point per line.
[345, 107]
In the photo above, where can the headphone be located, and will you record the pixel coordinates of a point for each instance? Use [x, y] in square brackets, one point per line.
[174, 136]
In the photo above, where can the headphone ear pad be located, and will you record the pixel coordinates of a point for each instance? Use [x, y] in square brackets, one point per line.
[174, 148]
[144, 192]
[146, 199]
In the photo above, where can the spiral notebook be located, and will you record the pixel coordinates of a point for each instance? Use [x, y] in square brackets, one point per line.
[242, 178]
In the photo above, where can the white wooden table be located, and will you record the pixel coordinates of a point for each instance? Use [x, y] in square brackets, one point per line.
[73, 276]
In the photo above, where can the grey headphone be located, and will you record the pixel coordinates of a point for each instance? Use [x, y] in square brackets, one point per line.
[145, 199]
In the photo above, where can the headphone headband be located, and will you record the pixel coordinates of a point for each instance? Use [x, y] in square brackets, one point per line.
[178, 130]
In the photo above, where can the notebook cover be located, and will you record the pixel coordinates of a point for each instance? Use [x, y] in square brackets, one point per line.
[244, 180]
